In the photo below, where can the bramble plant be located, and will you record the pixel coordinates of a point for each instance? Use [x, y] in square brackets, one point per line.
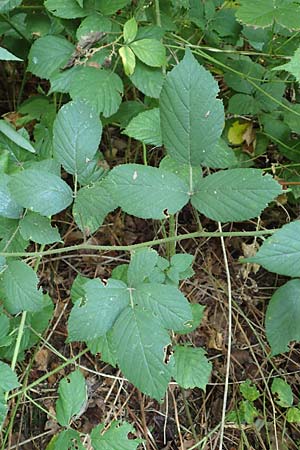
[100, 64]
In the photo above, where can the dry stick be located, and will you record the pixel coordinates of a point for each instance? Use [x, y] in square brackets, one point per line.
[144, 422]
[229, 340]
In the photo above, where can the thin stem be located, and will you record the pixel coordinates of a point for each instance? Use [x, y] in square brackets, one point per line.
[144, 154]
[157, 12]
[122, 248]
[229, 341]
[172, 233]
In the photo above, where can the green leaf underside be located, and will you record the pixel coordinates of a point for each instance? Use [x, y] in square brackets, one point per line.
[40, 191]
[76, 136]
[8, 206]
[96, 314]
[8, 378]
[91, 206]
[235, 194]
[165, 302]
[140, 351]
[37, 228]
[281, 252]
[262, 14]
[20, 288]
[192, 369]
[48, 54]
[145, 127]
[115, 438]
[72, 393]
[15, 137]
[283, 317]
[5, 55]
[102, 89]
[147, 192]
[192, 118]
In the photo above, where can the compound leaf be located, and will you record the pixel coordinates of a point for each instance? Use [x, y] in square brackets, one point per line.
[20, 288]
[147, 192]
[37, 228]
[283, 316]
[235, 194]
[192, 118]
[76, 136]
[145, 127]
[115, 438]
[40, 191]
[72, 393]
[191, 369]
[140, 341]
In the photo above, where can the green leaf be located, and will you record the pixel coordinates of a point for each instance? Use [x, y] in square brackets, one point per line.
[3, 408]
[247, 412]
[197, 313]
[8, 378]
[37, 228]
[91, 206]
[189, 174]
[48, 54]
[145, 127]
[292, 415]
[220, 157]
[8, 207]
[130, 30]
[94, 315]
[243, 104]
[141, 265]
[77, 133]
[280, 253]
[263, 14]
[147, 192]
[20, 288]
[93, 23]
[77, 290]
[9, 5]
[147, 79]
[283, 316]
[283, 392]
[40, 191]
[72, 393]
[249, 391]
[15, 137]
[165, 302]
[293, 66]
[115, 438]
[61, 81]
[101, 88]
[104, 345]
[192, 369]
[235, 195]
[67, 440]
[128, 60]
[140, 342]
[150, 51]
[11, 239]
[108, 8]
[192, 118]
[5, 55]
[68, 9]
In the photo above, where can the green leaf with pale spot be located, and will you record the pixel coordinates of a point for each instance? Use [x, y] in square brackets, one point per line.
[37, 228]
[192, 369]
[102, 89]
[145, 127]
[40, 191]
[192, 118]
[72, 395]
[77, 133]
[48, 54]
[283, 317]
[147, 192]
[115, 438]
[234, 195]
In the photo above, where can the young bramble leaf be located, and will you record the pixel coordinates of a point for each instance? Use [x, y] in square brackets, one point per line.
[283, 393]
[37, 228]
[128, 59]
[67, 439]
[283, 316]
[145, 127]
[130, 30]
[235, 194]
[20, 288]
[192, 118]
[40, 191]
[150, 51]
[147, 192]
[141, 265]
[115, 438]
[249, 391]
[77, 132]
[72, 393]
[292, 415]
[192, 369]
[280, 253]
[8, 378]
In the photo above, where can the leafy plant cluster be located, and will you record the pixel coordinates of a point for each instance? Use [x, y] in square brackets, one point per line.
[141, 68]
